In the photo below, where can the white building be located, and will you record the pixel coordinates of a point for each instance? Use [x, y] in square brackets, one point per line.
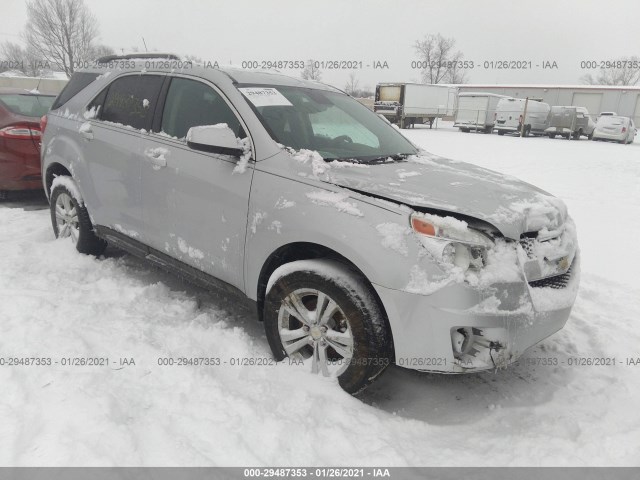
[596, 98]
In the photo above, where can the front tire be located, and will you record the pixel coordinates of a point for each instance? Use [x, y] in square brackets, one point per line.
[322, 313]
[70, 219]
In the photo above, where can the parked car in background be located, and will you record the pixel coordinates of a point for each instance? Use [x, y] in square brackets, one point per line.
[407, 104]
[615, 128]
[476, 111]
[509, 116]
[570, 122]
[356, 248]
[20, 112]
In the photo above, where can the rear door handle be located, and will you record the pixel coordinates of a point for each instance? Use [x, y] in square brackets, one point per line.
[156, 157]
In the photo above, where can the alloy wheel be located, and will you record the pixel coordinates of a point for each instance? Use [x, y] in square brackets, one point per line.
[312, 326]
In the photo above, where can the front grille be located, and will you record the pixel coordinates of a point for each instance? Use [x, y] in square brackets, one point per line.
[557, 282]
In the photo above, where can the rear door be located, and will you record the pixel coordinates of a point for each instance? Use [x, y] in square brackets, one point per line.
[194, 204]
[113, 142]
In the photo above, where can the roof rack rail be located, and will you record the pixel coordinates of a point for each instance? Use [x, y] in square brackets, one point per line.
[111, 58]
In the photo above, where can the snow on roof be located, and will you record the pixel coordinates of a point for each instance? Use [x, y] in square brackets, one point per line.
[546, 86]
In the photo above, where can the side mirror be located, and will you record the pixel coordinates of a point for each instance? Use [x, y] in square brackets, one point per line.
[215, 139]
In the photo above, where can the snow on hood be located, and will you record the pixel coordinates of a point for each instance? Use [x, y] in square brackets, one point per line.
[429, 181]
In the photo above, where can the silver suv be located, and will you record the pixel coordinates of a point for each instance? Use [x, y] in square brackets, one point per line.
[357, 248]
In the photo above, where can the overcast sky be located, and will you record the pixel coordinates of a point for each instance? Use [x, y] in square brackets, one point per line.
[561, 31]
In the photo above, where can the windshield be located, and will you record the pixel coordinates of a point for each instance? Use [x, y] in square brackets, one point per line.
[27, 105]
[333, 124]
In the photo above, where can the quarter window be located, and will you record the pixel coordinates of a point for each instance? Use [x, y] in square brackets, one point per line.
[190, 104]
[131, 100]
[78, 82]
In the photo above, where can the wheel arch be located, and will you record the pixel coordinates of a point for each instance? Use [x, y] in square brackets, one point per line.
[307, 251]
[54, 170]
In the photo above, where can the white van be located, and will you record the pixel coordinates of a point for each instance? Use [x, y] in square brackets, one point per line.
[476, 111]
[509, 116]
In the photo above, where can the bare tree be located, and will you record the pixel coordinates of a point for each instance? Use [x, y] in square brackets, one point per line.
[624, 71]
[13, 55]
[353, 85]
[442, 62]
[23, 60]
[457, 74]
[62, 32]
[366, 92]
[311, 71]
[101, 51]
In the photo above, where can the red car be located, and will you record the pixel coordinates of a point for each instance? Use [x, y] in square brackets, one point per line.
[20, 112]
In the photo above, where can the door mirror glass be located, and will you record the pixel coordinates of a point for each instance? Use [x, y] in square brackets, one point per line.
[215, 139]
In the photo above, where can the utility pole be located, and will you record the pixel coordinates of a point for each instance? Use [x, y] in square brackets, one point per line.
[524, 117]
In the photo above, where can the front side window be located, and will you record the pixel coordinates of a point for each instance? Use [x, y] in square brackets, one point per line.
[335, 125]
[191, 103]
[131, 100]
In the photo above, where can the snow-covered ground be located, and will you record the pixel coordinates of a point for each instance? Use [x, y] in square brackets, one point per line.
[55, 303]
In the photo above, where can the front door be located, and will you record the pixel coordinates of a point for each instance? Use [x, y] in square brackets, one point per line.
[194, 205]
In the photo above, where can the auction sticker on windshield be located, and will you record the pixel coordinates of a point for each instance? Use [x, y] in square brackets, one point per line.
[265, 97]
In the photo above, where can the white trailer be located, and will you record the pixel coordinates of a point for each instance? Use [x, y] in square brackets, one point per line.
[510, 112]
[476, 111]
[409, 103]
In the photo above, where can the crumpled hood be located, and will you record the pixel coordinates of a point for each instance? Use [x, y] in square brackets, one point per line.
[426, 180]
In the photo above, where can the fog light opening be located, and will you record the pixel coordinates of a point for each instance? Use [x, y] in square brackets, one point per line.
[463, 340]
[480, 347]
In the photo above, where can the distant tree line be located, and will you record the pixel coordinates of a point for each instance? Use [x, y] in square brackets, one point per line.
[623, 71]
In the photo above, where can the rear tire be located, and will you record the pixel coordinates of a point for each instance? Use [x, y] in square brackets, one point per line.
[71, 219]
[500, 132]
[350, 340]
[552, 135]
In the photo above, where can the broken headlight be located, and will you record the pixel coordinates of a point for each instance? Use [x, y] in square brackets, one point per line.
[451, 241]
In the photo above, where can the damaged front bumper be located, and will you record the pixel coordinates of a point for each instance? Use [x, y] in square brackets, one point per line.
[461, 329]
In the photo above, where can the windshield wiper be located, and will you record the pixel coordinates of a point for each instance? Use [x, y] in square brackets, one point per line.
[398, 157]
[350, 160]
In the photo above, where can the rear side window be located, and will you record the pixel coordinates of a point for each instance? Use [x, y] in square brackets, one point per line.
[190, 104]
[131, 100]
[77, 83]
[27, 105]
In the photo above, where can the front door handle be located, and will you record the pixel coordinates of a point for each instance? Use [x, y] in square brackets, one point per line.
[86, 131]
